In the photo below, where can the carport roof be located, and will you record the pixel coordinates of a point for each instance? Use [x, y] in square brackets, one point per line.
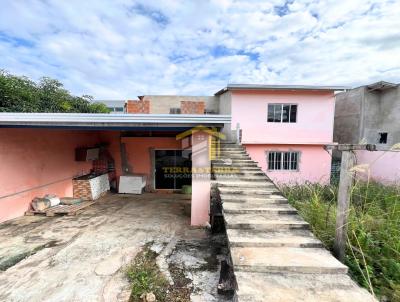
[110, 121]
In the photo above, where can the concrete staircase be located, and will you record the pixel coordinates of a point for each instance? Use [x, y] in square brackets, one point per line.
[274, 255]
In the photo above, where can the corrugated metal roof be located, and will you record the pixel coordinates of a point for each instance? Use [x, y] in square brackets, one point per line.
[109, 120]
[278, 87]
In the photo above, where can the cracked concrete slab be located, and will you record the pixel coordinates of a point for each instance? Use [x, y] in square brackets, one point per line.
[83, 257]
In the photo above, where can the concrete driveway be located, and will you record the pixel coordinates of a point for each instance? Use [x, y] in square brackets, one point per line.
[82, 258]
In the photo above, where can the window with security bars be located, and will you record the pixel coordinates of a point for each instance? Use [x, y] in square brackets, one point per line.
[282, 113]
[278, 160]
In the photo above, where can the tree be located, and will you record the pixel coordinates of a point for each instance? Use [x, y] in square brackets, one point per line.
[20, 94]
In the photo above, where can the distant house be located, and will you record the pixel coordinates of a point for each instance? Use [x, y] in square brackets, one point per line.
[371, 114]
[115, 106]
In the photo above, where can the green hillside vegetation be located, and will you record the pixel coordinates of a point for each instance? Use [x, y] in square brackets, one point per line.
[20, 94]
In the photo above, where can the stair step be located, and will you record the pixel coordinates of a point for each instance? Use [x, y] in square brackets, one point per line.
[245, 177]
[239, 166]
[236, 208]
[259, 175]
[234, 156]
[225, 197]
[246, 184]
[232, 149]
[223, 148]
[233, 160]
[249, 191]
[286, 259]
[294, 238]
[264, 222]
[233, 204]
[251, 169]
[294, 287]
[254, 172]
[233, 152]
[239, 177]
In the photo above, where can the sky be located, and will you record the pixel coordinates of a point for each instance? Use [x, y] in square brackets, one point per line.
[121, 49]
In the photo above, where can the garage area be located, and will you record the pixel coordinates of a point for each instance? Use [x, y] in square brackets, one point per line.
[85, 257]
[60, 154]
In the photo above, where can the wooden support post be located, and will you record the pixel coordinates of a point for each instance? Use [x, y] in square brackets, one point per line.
[345, 183]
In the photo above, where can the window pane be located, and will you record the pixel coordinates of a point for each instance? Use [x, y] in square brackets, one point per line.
[278, 113]
[271, 159]
[278, 160]
[285, 113]
[294, 160]
[286, 160]
[293, 113]
[270, 113]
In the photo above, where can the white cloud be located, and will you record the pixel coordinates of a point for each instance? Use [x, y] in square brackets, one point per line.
[121, 49]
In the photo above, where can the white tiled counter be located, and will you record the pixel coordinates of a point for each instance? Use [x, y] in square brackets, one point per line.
[90, 187]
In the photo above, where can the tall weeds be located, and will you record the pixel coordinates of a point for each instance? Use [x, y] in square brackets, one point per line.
[373, 245]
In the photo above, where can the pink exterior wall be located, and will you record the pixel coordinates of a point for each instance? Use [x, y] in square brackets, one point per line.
[34, 162]
[315, 114]
[313, 129]
[314, 164]
[380, 166]
[138, 151]
[201, 182]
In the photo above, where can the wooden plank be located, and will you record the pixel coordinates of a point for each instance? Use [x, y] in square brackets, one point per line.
[345, 183]
[62, 209]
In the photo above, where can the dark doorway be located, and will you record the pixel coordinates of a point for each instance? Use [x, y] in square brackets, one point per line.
[383, 137]
[173, 169]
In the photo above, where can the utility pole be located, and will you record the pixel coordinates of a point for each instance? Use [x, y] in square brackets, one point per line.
[344, 194]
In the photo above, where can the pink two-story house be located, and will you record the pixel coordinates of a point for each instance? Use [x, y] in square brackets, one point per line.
[284, 128]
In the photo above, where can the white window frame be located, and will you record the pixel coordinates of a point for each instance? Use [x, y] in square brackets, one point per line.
[281, 161]
[290, 109]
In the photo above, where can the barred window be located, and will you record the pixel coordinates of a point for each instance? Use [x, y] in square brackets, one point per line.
[282, 113]
[278, 160]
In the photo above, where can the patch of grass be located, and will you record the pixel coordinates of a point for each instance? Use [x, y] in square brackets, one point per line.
[145, 276]
[373, 245]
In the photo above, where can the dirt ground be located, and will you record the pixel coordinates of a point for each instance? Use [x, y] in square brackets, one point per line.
[84, 257]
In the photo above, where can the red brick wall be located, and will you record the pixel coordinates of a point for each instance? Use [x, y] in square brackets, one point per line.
[141, 106]
[190, 107]
[82, 189]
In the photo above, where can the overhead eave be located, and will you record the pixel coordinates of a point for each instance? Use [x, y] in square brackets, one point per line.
[89, 120]
[233, 87]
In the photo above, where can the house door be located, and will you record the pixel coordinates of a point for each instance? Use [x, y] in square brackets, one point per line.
[173, 169]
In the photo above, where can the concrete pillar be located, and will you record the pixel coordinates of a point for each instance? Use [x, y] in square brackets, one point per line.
[201, 179]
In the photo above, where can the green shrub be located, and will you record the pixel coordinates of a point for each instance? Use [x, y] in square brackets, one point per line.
[373, 249]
